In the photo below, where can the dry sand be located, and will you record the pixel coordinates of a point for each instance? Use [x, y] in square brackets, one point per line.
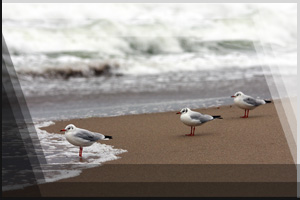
[226, 157]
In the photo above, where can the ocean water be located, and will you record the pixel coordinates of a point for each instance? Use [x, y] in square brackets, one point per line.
[79, 52]
[96, 60]
[79, 39]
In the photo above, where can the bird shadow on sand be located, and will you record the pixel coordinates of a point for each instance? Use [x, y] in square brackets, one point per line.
[198, 135]
[251, 117]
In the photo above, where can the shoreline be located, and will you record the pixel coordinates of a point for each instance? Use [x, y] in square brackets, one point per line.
[168, 96]
[167, 127]
[229, 150]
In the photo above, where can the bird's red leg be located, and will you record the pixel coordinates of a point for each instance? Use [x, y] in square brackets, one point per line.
[245, 116]
[80, 151]
[194, 130]
[190, 133]
[248, 113]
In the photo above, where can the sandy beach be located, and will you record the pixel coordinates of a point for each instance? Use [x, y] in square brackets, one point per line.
[160, 138]
[124, 70]
[226, 157]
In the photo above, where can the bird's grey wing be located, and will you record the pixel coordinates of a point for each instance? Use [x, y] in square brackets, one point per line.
[251, 101]
[100, 136]
[200, 117]
[87, 135]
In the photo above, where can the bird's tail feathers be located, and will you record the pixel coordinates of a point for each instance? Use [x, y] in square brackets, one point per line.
[268, 101]
[217, 117]
[108, 137]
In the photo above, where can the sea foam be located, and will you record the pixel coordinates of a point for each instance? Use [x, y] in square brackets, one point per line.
[62, 160]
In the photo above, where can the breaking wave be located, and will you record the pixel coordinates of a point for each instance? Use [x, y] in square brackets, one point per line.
[45, 40]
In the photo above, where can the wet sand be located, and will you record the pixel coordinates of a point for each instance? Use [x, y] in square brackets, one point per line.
[226, 157]
[160, 138]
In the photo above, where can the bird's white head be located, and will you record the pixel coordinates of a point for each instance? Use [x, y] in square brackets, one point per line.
[183, 110]
[237, 94]
[70, 127]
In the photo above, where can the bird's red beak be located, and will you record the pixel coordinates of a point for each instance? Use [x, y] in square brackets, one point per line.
[62, 130]
[233, 96]
[178, 113]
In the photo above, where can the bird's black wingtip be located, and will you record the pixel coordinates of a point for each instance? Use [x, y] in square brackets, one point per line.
[268, 101]
[217, 117]
[108, 137]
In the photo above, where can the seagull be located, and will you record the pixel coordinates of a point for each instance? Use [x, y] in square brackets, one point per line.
[81, 137]
[247, 102]
[193, 119]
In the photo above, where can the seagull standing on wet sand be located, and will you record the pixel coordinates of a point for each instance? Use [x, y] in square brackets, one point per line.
[81, 137]
[193, 119]
[247, 102]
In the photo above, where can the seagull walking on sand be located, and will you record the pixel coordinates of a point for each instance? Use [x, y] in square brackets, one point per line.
[193, 119]
[247, 102]
[81, 137]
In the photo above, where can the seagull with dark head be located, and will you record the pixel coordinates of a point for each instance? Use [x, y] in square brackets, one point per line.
[247, 102]
[193, 119]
